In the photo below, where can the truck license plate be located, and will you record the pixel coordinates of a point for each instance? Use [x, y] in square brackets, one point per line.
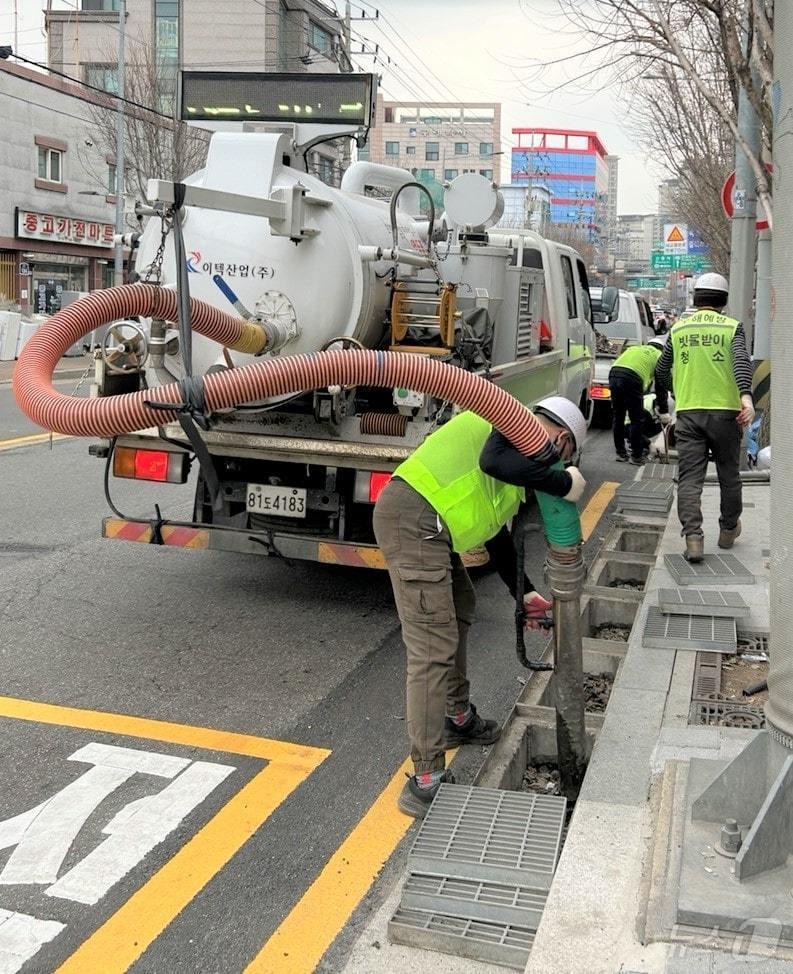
[280, 501]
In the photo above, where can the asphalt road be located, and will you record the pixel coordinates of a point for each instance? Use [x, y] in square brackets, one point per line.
[295, 654]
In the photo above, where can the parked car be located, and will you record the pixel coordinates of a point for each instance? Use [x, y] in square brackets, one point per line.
[621, 318]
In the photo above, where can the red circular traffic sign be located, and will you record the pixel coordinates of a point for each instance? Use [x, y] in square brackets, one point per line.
[728, 198]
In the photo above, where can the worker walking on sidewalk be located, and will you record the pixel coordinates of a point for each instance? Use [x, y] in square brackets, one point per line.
[457, 491]
[630, 380]
[711, 372]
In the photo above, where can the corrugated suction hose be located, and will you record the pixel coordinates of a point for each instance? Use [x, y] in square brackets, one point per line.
[114, 415]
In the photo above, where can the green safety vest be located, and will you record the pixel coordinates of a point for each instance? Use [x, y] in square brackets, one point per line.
[702, 368]
[641, 359]
[445, 471]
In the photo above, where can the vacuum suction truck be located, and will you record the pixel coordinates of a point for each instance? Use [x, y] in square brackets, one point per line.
[367, 265]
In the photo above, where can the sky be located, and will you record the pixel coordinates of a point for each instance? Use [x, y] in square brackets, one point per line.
[474, 50]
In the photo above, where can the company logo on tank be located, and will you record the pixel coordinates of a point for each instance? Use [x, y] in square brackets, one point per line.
[197, 265]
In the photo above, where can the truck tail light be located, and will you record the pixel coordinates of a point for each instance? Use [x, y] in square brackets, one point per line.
[600, 392]
[163, 466]
[369, 486]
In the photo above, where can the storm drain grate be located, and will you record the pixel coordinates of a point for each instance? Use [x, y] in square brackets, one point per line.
[712, 570]
[496, 943]
[719, 712]
[492, 835]
[693, 601]
[711, 634]
[473, 899]
[753, 642]
[651, 495]
[707, 675]
[660, 471]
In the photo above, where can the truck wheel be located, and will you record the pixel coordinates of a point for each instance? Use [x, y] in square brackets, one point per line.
[601, 418]
[587, 407]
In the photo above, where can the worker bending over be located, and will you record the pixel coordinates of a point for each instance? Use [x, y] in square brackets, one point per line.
[457, 491]
[630, 380]
[708, 362]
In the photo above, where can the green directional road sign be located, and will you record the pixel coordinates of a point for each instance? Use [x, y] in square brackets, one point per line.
[691, 262]
[647, 283]
[661, 261]
[677, 262]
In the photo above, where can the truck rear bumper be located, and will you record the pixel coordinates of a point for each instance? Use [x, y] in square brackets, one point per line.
[244, 542]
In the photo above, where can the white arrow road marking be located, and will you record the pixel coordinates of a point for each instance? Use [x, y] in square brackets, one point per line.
[136, 830]
[22, 936]
[43, 835]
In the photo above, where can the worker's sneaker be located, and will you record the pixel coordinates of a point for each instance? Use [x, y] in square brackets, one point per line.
[474, 731]
[415, 799]
[728, 536]
[622, 458]
[637, 461]
[695, 547]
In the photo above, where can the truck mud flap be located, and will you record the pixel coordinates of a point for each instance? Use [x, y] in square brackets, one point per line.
[244, 542]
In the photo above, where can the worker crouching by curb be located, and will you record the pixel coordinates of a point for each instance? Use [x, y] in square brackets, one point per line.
[708, 362]
[457, 491]
[630, 380]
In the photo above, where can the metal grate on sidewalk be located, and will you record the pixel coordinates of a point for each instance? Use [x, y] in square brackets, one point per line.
[645, 496]
[479, 873]
[496, 943]
[659, 471]
[696, 601]
[712, 570]
[711, 634]
[487, 834]
[718, 711]
[707, 675]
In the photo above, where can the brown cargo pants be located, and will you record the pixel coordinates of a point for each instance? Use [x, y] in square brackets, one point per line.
[435, 601]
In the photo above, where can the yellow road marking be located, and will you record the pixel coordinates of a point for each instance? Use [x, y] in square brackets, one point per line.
[121, 939]
[597, 504]
[303, 937]
[31, 439]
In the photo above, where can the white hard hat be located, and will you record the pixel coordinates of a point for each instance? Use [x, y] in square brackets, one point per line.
[566, 414]
[712, 282]
[659, 341]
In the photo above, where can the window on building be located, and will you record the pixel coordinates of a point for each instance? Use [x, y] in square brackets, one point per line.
[320, 39]
[363, 153]
[487, 173]
[104, 76]
[486, 149]
[461, 148]
[111, 178]
[166, 47]
[100, 4]
[569, 287]
[410, 150]
[426, 174]
[450, 173]
[392, 148]
[432, 151]
[50, 165]
[388, 115]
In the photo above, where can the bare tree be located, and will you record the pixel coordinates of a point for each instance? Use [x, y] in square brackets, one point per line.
[157, 146]
[576, 237]
[701, 51]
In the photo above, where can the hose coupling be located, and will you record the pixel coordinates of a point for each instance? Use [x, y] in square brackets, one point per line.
[565, 571]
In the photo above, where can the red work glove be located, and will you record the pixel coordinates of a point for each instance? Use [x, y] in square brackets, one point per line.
[537, 609]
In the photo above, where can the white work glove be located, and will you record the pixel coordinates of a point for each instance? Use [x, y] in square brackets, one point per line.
[664, 418]
[576, 492]
[746, 416]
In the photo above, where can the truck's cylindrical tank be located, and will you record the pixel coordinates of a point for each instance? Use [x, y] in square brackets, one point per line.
[321, 279]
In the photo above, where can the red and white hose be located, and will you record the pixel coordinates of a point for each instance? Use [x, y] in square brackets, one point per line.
[114, 415]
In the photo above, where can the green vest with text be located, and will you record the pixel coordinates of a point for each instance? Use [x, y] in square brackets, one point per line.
[702, 374]
[445, 471]
[641, 359]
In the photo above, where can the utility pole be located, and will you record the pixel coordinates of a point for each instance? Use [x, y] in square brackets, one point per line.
[743, 245]
[118, 271]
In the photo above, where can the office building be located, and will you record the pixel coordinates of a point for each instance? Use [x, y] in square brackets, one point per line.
[437, 141]
[573, 164]
[237, 35]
